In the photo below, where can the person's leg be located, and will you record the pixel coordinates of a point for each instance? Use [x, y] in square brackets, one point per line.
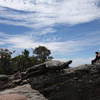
[93, 61]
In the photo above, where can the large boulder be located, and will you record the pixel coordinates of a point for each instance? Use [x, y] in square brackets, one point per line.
[24, 92]
[11, 81]
[57, 65]
[4, 80]
[80, 83]
[3, 77]
[49, 66]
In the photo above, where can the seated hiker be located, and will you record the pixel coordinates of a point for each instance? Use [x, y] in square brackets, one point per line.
[97, 57]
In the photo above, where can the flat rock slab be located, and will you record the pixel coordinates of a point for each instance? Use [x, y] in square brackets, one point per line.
[12, 97]
[24, 91]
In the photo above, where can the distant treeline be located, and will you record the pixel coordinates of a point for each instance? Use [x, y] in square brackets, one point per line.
[11, 65]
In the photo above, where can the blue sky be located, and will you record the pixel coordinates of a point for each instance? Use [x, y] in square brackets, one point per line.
[69, 28]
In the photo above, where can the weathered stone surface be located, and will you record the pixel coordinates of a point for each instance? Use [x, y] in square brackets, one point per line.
[3, 81]
[57, 65]
[48, 66]
[23, 92]
[80, 83]
[3, 77]
[11, 81]
[12, 97]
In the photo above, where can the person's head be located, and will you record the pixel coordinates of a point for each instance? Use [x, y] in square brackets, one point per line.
[96, 52]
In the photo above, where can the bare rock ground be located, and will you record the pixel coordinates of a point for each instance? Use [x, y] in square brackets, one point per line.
[24, 90]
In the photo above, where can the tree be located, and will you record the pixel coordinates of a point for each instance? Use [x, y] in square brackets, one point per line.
[25, 53]
[24, 61]
[42, 53]
[5, 61]
[21, 62]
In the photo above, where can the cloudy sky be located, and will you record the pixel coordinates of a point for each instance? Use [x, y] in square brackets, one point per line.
[69, 28]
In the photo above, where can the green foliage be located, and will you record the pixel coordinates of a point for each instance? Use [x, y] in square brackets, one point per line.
[9, 65]
[5, 61]
[25, 53]
[21, 62]
[42, 53]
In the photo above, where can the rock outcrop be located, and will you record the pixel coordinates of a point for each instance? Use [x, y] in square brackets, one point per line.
[49, 66]
[80, 83]
[11, 81]
[12, 97]
[24, 92]
[56, 81]
[4, 80]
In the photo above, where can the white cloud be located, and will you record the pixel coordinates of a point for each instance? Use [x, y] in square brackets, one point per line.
[3, 34]
[78, 61]
[19, 42]
[57, 47]
[48, 30]
[27, 42]
[78, 11]
[43, 13]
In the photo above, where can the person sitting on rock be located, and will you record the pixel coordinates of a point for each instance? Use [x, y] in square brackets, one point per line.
[97, 57]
